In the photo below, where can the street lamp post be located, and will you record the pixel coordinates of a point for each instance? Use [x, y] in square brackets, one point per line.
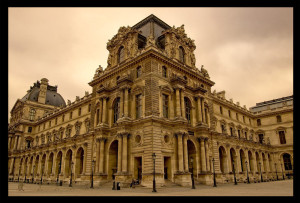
[248, 181]
[33, 173]
[261, 176]
[92, 182]
[234, 172]
[282, 171]
[213, 160]
[276, 171]
[70, 185]
[154, 187]
[193, 182]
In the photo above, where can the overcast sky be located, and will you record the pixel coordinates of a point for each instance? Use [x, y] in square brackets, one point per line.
[248, 52]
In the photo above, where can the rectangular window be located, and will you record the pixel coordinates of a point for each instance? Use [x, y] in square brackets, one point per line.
[138, 72]
[164, 71]
[29, 129]
[244, 119]
[221, 110]
[246, 136]
[237, 116]
[231, 131]
[282, 137]
[79, 112]
[261, 138]
[258, 122]
[98, 116]
[239, 133]
[138, 105]
[71, 115]
[249, 121]
[165, 105]
[223, 128]
[63, 118]
[90, 107]
[229, 113]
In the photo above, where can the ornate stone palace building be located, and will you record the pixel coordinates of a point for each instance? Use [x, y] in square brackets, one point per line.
[151, 98]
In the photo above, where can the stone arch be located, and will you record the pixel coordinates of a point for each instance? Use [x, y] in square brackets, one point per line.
[30, 166]
[192, 154]
[36, 164]
[233, 159]
[68, 163]
[257, 161]
[50, 164]
[251, 161]
[243, 160]
[113, 150]
[59, 157]
[223, 160]
[79, 162]
[286, 159]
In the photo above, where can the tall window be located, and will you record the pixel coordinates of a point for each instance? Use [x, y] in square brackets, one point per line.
[79, 112]
[29, 129]
[116, 109]
[138, 105]
[258, 122]
[165, 105]
[237, 116]
[249, 121]
[31, 114]
[90, 107]
[121, 56]
[187, 109]
[231, 131]
[221, 110]
[278, 119]
[97, 116]
[239, 133]
[282, 137]
[287, 162]
[63, 118]
[261, 138]
[71, 115]
[164, 71]
[229, 113]
[181, 54]
[138, 72]
[223, 128]
[246, 136]
[244, 119]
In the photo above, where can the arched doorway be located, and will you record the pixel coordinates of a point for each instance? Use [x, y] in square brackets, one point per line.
[223, 160]
[79, 162]
[192, 163]
[243, 159]
[233, 160]
[58, 163]
[68, 163]
[251, 161]
[50, 164]
[286, 158]
[113, 159]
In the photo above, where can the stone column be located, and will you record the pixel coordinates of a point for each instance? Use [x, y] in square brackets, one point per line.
[46, 164]
[101, 155]
[202, 110]
[9, 141]
[178, 110]
[85, 157]
[101, 111]
[124, 154]
[171, 105]
[126, 102]
[203, 159]
[104, 110]
[122, 103]
[16, 142]
[238, 166]
[199, 109]
[53, 172]
[182, 104]
[254, 162]
[11, 165]
[119, 153]
[267, 163]
[207, 155]
[97, 155]
[185, 154]
[180, 152]
[63, 163]
[262, 162]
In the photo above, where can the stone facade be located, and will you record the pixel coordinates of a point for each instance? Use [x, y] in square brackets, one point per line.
[151, 98]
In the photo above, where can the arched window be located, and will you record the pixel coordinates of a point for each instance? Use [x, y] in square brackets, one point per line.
[31, 114]
[188, 106]
[261, 138]
[278, 119]
[121, 56]
[181, 54]
[116, 108]
[287, 162]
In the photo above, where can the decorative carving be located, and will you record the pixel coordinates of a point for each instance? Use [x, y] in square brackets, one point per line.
[204, 72]
[77, 127]
[87, 125]
[99, 72]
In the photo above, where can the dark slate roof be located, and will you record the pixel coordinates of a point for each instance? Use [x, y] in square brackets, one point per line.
[52, 97]
[151, 18]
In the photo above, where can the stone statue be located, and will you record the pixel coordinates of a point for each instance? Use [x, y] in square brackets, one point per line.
[193, 60]
[204, 71]
[150, 40]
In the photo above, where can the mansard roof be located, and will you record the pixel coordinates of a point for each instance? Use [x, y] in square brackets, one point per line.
[152, 18]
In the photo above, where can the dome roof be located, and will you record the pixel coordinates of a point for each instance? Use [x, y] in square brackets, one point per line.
[52, 97]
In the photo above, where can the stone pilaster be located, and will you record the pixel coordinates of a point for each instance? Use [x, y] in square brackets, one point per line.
[185, 154]
[180, 152]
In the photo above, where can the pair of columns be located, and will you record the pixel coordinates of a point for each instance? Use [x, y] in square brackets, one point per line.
[122, 152]
[103, 110]
[124, 102]
[16, 142]
[180, 108]
[100, 155]
[200, 106]
[183, 153]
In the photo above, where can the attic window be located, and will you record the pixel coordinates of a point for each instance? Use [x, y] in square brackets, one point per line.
[118, 77]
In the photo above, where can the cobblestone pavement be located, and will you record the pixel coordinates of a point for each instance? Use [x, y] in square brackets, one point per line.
[276, 188]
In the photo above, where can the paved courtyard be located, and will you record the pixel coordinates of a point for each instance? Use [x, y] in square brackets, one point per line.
[276, 188]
